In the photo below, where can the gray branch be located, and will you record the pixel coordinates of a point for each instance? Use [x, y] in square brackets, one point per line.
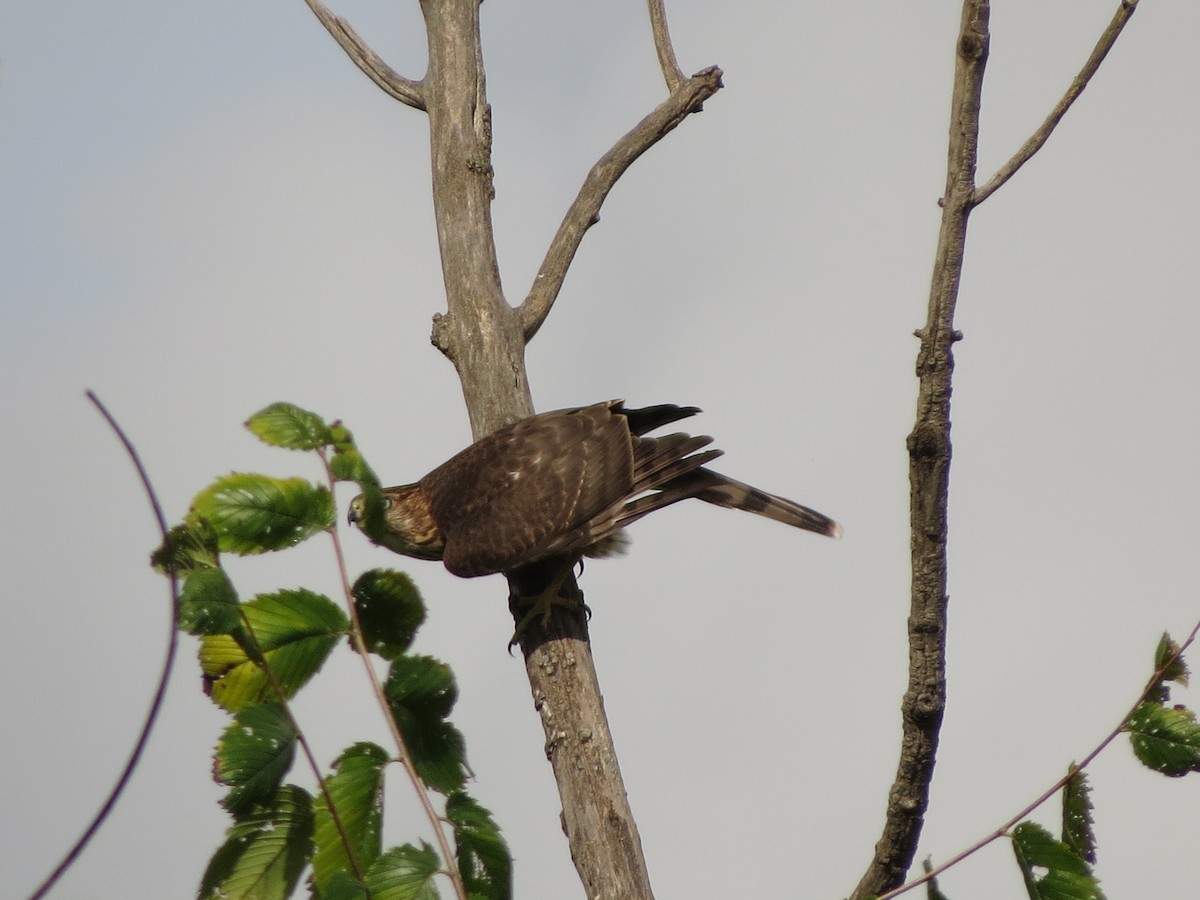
[672, 74]
[584, 212]
[393, 83]
[1039, 137]
[929, 445]
[924, 701]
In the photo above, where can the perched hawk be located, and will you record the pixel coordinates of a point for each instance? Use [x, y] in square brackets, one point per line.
[561, 485]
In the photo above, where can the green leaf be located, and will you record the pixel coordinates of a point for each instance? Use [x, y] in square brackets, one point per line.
[208, 603]
[189, 547]
[253, 756]
[1169, 664]
[483, 857]
[1077, 816]
[404, 873]
[1063, 875]
[287, 425]
[347, 463]
[252, 513]
[421, 692]
[1165, 738]
[932, 891]
[367, 511]
[343, 887]
[264, 852]
[294, 629]
[356, 789]
[390, 610]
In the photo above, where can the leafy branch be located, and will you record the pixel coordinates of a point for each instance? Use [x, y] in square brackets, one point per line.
[255, 655]
[1164, 738]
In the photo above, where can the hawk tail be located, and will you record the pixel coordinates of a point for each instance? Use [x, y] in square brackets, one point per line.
[648, 418]
[720, 490]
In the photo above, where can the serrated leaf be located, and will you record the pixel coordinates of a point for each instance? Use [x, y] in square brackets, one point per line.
[404, 873]
[189, 547]
[253, 756]
[356, 789]
[264, 852]
[294, 629]
[287, 425]
[1064, 875]
[253, 513]
[421, 692]
[484, 861]
[390, 610]
[1077, 821]
[208, 603]
[1165, 738]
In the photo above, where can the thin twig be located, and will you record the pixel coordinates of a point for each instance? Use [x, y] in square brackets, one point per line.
[392, 82]
[306, 748]
[1000, 832]
[405, 758]
[1124, 11]
[672, 74]
[163, 678]
[584, 212]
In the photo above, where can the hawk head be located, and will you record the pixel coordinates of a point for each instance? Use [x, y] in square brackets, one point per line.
[400, 521]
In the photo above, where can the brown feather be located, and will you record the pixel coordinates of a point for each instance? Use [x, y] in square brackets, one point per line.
[556, 484]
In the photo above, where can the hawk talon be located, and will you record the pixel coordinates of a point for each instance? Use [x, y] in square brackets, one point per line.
[543, 605]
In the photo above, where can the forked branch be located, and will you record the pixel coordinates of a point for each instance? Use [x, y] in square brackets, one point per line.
[584, 212]
[672, 74]
[929, 443]
[1124, 11]
[392, 82]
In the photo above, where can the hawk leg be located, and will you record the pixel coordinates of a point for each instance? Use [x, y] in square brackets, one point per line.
[539, 602]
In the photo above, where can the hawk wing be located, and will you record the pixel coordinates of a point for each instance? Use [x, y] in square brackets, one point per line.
[510, 498]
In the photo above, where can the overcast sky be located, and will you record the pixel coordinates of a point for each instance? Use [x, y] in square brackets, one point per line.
[206, 208]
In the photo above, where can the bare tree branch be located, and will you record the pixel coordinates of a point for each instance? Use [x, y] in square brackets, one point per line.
[929, 443]
[481, 335]
[584, 212]
[929, 476]
[393, 83]
[662, 46]
[1124, 12]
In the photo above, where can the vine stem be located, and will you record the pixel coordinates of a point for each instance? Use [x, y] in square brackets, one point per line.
[1058, 785]
[405, 759]
[305, 747]
[164, 677]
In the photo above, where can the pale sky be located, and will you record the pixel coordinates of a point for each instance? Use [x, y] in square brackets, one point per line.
[206, 208]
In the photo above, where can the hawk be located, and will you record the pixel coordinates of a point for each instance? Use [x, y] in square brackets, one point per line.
[559, 486]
